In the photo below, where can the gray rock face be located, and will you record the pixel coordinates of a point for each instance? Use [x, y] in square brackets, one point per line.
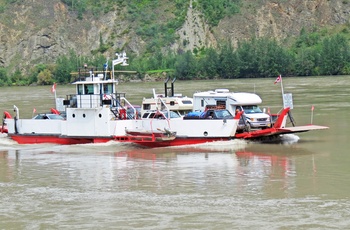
[38, 31]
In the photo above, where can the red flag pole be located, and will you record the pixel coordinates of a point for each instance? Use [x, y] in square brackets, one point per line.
[281, 86]
[53, 90]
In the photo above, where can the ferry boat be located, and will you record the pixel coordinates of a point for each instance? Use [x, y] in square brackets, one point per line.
[96, 113]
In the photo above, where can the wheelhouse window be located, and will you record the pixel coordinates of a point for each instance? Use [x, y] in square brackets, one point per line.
[80, 89]
[88, 89]
[108, 88]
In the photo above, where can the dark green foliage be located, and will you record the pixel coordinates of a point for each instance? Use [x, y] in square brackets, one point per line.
[323, 55]
[335, 55]
[33, 74]
[229, 62]
[18, 79]
[63, 70]
[4, 80]
[209, 64]
[307, 39]
[152, 22]
[185, 66]
[306, 62]
[79, 6]
[215, 10]
[66, 64]
[251, 59]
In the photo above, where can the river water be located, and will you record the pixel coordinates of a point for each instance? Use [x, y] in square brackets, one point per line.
[301, 183]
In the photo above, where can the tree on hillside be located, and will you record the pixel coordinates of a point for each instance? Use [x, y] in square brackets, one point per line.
[229, 62]
[185, 66]
[335, 55]
[4, 80]
[209, 64]
[247, 55]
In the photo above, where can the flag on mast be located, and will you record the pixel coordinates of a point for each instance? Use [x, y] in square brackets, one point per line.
[53, 88]
[312, 112]
[278, 79]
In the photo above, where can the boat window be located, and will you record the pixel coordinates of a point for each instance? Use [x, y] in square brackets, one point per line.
[108, 88]
[172, 103]
[80, 89]
[89, 89]
[145, 115]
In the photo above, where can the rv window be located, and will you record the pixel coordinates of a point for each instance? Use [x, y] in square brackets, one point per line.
[187, 102]
[221, 104]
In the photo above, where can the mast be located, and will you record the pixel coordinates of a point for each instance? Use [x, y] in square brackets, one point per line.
[122, 59]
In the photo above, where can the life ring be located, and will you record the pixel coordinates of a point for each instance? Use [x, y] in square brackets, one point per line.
[7, 115]
[55, 111]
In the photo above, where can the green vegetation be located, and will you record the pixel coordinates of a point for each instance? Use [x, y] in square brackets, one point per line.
[316, 52]
[257, 58]
[215, 10]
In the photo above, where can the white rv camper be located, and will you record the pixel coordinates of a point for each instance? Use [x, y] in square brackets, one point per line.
[233, 102]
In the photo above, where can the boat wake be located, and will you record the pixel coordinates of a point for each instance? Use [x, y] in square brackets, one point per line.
[6, 142]
[289, 139]
[107, 147]
[218, 146]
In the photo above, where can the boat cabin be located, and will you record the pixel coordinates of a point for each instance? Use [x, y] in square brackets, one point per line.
[96, 88]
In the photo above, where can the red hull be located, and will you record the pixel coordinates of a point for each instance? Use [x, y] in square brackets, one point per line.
[176, 142]
[42, 139]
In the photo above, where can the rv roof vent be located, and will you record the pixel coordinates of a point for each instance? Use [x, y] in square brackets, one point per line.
[222, 90]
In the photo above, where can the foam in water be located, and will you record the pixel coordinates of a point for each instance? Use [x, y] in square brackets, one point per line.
[6, 141]
[289, 138]
[230, 145]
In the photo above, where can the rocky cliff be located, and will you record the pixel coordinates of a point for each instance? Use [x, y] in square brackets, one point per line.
[38, 31]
